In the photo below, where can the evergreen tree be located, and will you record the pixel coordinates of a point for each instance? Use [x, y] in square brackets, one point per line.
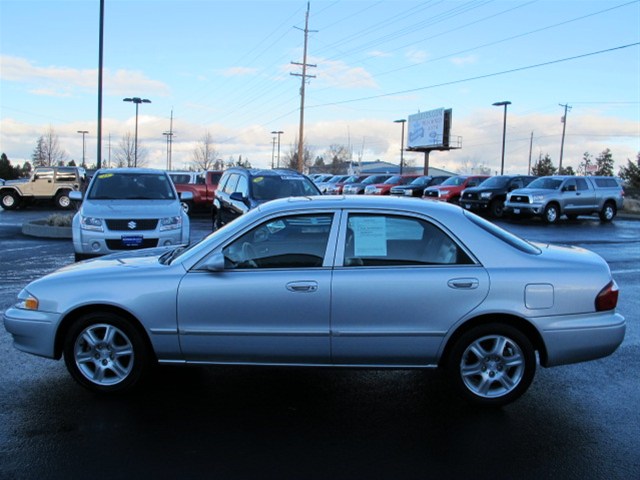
[604, 161]
[38, 156]
[631, 173]
[544, 166]
[7, 171]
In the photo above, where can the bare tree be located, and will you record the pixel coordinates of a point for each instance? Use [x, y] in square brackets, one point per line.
[48, 152]
[205, 154]
[291, 157]
[125, 153]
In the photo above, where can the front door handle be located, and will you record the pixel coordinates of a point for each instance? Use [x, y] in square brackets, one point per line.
[302, 287]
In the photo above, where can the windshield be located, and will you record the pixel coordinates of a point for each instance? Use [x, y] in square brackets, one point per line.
[375, 179]
[421, 180]
[499, 181]
[454, 181]
[546, 183]
[131, 186]
[393, 180]
[270, 187]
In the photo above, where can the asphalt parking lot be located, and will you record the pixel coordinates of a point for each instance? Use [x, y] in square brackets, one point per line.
[576, 422]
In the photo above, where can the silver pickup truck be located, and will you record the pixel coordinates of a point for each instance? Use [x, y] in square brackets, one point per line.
[554, 196]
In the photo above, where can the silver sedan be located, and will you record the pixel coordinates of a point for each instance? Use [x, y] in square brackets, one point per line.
[331, 281]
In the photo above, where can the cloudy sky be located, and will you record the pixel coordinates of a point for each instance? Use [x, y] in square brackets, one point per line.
[225, 67]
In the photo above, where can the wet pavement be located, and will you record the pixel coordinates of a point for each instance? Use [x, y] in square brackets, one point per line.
[575, 422]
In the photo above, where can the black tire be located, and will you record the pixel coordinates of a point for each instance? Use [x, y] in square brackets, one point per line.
[62, 200]
[496, 208]
[608, 212]
[187, 207]
[9, 200]
[81, 256]
[217, 221]
[491, 365]
[551, 214]
[114, 360]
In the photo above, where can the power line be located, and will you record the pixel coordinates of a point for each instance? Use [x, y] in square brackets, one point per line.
[478, 77]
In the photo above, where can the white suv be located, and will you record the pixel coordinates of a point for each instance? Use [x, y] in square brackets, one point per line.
[128, 209]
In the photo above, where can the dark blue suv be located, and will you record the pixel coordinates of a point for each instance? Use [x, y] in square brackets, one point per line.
[242, 189]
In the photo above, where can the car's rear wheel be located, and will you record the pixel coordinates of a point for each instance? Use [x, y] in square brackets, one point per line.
[492, 364]
[608, 212]
[62, 200]
[186, 207]
[105, 353]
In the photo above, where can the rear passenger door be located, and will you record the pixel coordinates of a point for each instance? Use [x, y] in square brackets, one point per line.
[400, 283]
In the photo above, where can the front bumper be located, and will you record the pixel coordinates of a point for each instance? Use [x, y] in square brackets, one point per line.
[524, 208]
[103, 243]
[33, 331]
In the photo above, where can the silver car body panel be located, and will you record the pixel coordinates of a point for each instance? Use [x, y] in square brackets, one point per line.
[386, 316]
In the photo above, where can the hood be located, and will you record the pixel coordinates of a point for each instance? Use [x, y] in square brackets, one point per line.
[533, 191]
[133, 209]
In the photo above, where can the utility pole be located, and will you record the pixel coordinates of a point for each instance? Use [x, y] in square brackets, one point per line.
[564, 127]
[302, 87]
[530, 148]
[169, 135]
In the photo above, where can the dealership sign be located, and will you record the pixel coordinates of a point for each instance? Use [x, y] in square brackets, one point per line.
[426, 129]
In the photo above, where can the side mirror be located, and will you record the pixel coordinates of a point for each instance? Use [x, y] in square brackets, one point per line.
[75, 195]
[237, 197]
[215, 263]
[186, 196]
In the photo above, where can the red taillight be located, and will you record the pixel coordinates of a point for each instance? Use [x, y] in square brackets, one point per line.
[607, 299]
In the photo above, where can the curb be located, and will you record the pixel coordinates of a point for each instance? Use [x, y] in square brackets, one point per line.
[39, 228]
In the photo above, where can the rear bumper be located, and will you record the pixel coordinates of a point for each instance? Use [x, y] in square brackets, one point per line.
[581, 338]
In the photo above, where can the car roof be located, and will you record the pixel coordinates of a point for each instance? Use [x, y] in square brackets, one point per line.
[264, 172]
[356, 202]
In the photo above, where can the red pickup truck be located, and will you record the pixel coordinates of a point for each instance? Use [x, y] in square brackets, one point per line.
[202, 190]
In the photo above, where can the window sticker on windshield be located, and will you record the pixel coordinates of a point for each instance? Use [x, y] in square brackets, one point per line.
[370, 236]
[105, 175]
[258, 179]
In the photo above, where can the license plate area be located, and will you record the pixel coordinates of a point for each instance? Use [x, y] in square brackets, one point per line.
[132, 240]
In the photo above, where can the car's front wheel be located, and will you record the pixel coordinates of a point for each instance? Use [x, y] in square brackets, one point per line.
[492, 364]
[551, 214]
[9, 200]
[105, 353]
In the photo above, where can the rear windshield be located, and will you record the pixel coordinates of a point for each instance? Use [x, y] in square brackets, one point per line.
[131, 186]
[503, 235]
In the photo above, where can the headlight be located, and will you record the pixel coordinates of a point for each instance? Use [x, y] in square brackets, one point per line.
[26, 301]
[443, 193]
[91, 223]
[538, 198]
[485, 195]
[508, 197]
[170, 223]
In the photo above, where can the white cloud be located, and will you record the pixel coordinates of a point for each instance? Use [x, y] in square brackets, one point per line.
[339, 74]
[67, 81]
[416, 56]
[238, 71]
[460, 61]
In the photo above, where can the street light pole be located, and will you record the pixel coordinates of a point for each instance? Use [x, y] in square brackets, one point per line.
[137, 101]
[273, 150]
[278, 132]
[402, 121]
[504, 129]
[83, 132]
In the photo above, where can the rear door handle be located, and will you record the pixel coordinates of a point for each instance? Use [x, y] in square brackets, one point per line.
[463, 283]
[302, 287]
